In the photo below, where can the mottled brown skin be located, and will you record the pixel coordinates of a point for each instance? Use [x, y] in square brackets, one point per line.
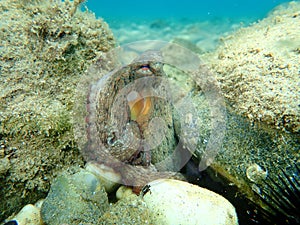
[117, 82]
[122, 152]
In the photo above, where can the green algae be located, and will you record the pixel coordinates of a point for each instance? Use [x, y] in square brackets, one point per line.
[45, 47]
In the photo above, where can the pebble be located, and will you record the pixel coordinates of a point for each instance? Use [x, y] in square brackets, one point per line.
[110, 180]
[124, 192]
[177, 202]
[29, 215]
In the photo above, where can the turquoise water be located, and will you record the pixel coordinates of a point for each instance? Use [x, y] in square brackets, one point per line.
[190, 9]
[199, 22]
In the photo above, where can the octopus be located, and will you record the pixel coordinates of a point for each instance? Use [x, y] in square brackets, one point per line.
[139, 125]
[124, 129]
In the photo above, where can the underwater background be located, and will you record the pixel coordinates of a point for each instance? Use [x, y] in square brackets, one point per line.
[199, 22]
[155, 9]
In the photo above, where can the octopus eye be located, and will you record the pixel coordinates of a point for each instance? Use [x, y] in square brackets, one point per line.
[144, 70]
[145, 67]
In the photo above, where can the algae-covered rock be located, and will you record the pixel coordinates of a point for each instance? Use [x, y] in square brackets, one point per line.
[75, 199]
[258, 68]
[129, 210]
[45, 47]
